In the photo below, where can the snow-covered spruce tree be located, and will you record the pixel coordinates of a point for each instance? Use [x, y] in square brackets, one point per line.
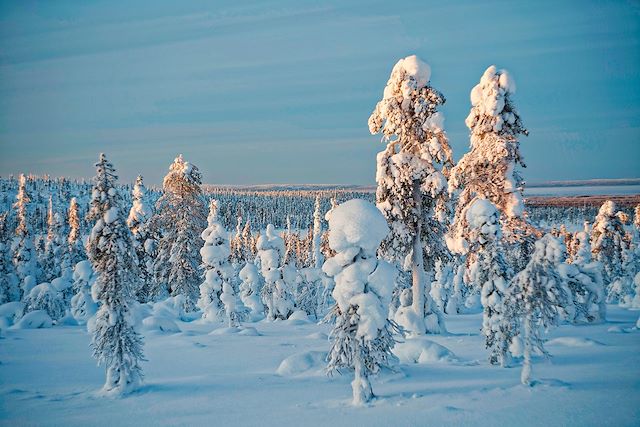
[82, 304]
[491, 273]
[584, 280]
[115, 342]
[362, 334]
[143, 241]
[275, 292]
[536, 297]
[217, 296]
[24, 253]
[608, 244]
[9, 290]
[489, 169]
[54, 246]
[411, 177]
[75, 250]
[247, 243]
[442, 285]
[180, 217]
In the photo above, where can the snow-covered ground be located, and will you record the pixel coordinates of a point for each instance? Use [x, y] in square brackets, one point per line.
[194, 377]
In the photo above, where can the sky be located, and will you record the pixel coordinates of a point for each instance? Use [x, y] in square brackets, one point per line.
[257, 92]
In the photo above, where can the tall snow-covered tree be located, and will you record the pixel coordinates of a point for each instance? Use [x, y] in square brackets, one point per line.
[537, 295]
[491, 272]
[143, 240]
[24, 253]
[181, 217]
[489, 169]
[411, 177]
[250, 290]
[115, 342]
[362, 334]
[275, 292]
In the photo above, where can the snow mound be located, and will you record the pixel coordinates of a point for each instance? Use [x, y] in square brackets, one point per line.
[34, 320]
[309, 362]
[11, 310]
[416, 68]
[356, 223]
[225, 331]
[249, 332]
[161, 324]
[421, 350]
[318, 336]
[574, 342]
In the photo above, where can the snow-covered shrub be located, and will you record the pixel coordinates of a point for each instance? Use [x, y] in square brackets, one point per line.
[362, 334]
[9, 290]
[536, 297]
[82, 304]
[275, 293]
[46, 298]
[34, 320]
[115, 342]
[411, 176]
[250, 290]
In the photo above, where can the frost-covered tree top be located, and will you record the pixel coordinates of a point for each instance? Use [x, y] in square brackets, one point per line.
[488, 170]
[417, 156]
[140, 210]
[483, 218]
[104, 195]
[182, 174]
[74, 222]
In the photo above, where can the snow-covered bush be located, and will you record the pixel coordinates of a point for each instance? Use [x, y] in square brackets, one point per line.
[276, 294]
[250, 290]
[362, 333]
[537, 295]
[9, 290]
[411, 177]
[82, 304]
[115, 342]
[46, 298]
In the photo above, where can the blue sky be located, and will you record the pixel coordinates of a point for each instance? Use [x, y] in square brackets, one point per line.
[280, 91]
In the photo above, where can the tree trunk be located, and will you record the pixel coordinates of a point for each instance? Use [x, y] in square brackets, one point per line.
[362, 392]
[416, 262]
[525, 376]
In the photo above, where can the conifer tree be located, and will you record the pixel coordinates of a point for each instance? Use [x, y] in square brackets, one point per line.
[489, 169]
[116, 344]
[75, 250]
[411, 177]
[24, 253]
[275, 292]
[54, 245]
[317, 235]
[181, 217]
[361, 338]
[143, 240]
[537, 295]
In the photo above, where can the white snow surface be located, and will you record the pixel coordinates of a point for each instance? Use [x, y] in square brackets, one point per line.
[48, 377]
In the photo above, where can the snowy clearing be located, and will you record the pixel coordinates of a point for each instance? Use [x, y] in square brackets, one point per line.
[196, 378]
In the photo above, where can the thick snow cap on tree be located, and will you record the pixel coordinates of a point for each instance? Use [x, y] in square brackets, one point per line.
[410, 67]
[489, 98]
[483, 216]
[356, 223]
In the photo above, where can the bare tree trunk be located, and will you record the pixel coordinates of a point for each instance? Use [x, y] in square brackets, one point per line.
[417, 273]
